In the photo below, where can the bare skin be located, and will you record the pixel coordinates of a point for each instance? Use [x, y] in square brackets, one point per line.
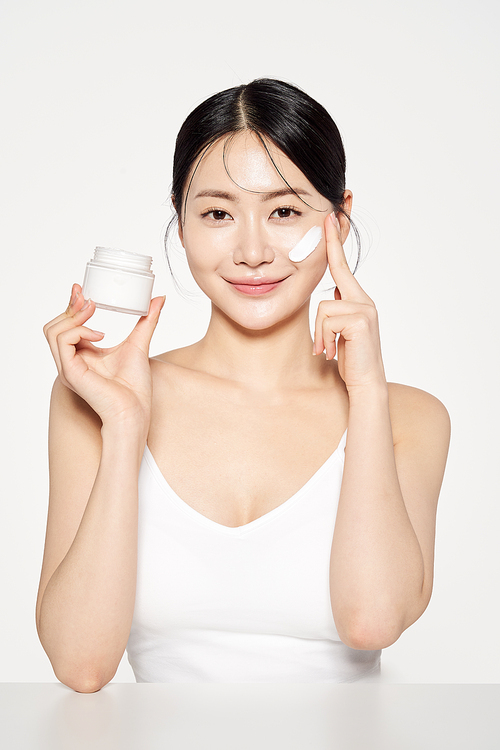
[237, 423]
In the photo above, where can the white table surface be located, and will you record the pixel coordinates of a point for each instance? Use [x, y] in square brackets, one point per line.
[50, 716]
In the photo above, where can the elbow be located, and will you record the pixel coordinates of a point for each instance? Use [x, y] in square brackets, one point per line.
[369, 633]
[374, 628]
[82, 672]
[83, 679]
[369, 638]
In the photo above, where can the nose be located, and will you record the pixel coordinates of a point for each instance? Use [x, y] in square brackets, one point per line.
[253, 246]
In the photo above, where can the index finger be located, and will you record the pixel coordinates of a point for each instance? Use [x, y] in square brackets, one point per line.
[342, 275]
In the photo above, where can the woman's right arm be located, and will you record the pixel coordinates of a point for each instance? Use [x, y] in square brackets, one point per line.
[99, 420]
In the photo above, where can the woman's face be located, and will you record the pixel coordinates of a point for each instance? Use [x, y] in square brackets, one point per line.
[238, 231]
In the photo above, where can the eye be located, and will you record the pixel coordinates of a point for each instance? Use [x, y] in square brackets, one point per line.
[217, 214]
[286, 212]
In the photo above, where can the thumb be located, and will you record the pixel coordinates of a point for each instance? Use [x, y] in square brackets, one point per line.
[145, 326]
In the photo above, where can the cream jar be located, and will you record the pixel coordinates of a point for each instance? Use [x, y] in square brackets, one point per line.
[119, 280]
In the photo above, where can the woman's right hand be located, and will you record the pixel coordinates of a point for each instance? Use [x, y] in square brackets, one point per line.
[115, 382]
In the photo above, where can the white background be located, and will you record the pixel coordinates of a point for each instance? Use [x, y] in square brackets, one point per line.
[93, 94]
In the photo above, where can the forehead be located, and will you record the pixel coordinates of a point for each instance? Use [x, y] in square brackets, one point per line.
[241, 162]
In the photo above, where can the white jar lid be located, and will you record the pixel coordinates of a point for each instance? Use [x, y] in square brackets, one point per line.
[111, 256]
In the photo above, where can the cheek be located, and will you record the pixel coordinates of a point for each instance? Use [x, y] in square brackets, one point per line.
[320, 267]
[203, 249]
[313, 268]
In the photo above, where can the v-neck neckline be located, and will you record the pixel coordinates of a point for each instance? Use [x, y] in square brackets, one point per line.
[257, 522]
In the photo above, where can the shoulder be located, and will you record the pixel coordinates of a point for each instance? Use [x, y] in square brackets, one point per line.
[180, 368]
[176, 379]
[418, 417]
[171, 368]
[174, 360]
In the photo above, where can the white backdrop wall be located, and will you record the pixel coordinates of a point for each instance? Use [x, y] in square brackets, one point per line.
[93, 94]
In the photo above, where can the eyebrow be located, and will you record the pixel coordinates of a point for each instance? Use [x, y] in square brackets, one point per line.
[209, 193]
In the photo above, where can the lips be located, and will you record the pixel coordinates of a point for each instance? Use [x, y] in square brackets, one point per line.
[256, 285]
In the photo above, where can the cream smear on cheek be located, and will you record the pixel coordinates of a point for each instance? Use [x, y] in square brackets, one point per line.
[306, 245]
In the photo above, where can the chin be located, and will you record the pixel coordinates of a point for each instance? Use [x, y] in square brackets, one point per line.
[251, 323]
[262, 325]
[264, 320]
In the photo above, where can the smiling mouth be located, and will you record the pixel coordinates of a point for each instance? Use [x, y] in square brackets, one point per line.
[255, 286]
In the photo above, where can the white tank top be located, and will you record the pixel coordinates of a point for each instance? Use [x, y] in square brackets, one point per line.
[243, 604]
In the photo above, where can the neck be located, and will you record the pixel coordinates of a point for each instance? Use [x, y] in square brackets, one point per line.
[275, 358]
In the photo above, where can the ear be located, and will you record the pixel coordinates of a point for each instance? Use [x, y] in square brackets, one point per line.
[345, 227]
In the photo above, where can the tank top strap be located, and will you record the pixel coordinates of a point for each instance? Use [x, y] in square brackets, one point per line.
[343, 441]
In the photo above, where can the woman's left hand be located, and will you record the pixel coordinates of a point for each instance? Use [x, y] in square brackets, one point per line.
[353, 315]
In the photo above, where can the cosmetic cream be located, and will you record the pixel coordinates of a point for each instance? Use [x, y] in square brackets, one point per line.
[306, 245]
[119, 280]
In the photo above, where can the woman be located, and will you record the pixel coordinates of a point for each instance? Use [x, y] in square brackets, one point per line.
[239, 509]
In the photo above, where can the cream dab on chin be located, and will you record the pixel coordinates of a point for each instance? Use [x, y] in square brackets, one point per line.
[306, 245]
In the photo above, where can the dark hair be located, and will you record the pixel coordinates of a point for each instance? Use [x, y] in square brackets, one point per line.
[274, 110]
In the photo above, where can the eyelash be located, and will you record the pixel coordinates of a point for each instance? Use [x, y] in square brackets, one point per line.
[294, 211]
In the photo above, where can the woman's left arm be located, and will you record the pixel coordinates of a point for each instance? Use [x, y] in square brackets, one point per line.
[397, 442]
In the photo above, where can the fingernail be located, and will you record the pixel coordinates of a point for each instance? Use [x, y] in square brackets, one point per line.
[335, 221]
[98, 333]
[73, 299]
[314, 349]
[85, 305]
